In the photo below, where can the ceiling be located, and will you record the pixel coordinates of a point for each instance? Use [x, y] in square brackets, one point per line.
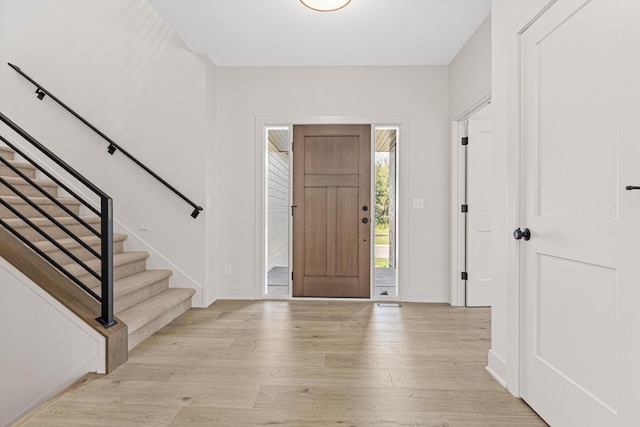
[286, 33]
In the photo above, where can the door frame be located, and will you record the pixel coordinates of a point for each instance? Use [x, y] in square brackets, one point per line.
[458, 198]
[261, 123]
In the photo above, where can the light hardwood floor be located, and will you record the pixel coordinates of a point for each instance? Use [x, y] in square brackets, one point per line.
[294, 363]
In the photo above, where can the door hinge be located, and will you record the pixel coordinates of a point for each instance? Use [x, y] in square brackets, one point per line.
[293, 206]
[464, 208]
[292, 275]
[465, 140]
[464, 275]
[292, 146]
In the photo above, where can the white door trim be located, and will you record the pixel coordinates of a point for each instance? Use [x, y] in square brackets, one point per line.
[261, 122]
[458, 197]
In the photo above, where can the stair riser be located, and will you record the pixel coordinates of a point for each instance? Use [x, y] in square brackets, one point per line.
[55, 232]
[127, 301]
[27, 170]
[27, 189]
[119, 272]
[81, 253]
[31, 212]
[158, 323]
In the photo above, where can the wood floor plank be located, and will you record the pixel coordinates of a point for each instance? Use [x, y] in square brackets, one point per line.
[165, 393]
[444, 377]
[488, 420]
[388, 399]
[312, 363]
[65, 414]
[207, 417]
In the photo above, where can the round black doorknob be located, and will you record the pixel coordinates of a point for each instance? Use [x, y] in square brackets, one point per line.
[365, 220]
[522, 234]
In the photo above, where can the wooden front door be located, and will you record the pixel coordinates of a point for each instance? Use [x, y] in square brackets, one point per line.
[332, 210]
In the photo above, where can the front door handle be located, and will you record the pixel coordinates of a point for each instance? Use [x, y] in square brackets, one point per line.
[522, 234]
[365, 220]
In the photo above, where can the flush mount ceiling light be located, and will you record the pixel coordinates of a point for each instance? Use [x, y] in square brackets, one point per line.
[325, 5]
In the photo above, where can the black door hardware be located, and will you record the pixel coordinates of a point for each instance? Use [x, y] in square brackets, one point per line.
[522, 234]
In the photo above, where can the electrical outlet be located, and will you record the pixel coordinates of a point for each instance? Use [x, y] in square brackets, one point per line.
[144, 227]
[418, 203]
[227, 269]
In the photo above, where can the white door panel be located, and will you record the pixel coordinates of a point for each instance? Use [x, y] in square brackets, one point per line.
[479, 176]
[576, 271]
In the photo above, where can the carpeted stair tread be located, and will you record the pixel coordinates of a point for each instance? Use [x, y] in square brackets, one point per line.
[71, 223]
[75, 248]
[118, 259]
[6, 152]
[143, 313]
[44, 203]
[64, 220]
[26, 188]
[70, 243]
[136, 288]
[24, 167]
[40, 200]
[138, 281]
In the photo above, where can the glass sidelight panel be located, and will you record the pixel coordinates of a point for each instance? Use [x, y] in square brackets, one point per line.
[277, 210]
[385, 252]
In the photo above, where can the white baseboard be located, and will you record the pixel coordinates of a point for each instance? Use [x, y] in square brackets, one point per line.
[497, 367]
[429, 295]
[235, 293]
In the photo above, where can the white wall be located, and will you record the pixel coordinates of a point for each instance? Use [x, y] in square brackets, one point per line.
[120, 65]
[14, 14]
[469, 89]
[49, 350]
[470, 72]
[508, 18]
[417, 94]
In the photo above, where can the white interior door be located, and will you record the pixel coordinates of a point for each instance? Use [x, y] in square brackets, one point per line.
[479, 175]
[579, 280]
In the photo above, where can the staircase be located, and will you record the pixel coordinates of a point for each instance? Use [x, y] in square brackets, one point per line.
[142, 298]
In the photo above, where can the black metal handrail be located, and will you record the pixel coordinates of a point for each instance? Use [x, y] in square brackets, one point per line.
[105, 213]
[111, 149]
